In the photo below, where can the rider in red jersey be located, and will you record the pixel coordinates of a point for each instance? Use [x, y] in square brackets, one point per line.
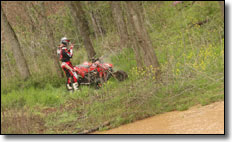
[65, 56]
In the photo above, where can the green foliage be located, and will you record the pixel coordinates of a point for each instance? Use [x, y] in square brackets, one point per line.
[34, 82]
[31, 97]
[124, 60]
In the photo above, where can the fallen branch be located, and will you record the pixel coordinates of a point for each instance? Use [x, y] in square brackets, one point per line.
[107, 123]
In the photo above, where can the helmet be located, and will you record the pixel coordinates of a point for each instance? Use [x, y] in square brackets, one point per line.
[64, 41]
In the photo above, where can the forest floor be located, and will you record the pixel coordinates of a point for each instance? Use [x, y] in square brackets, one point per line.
[199, 119]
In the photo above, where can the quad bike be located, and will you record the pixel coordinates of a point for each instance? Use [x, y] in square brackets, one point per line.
[96, 73]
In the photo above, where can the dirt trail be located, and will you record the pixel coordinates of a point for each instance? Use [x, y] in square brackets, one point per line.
[207, 119]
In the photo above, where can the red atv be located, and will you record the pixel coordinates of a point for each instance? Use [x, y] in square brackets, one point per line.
[96, 72]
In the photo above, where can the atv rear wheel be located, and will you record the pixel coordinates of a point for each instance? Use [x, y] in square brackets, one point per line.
[120, 75]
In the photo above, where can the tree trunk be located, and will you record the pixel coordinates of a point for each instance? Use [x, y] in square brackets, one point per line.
[16, 48]
[98, 30]
[94, 23]
[5, 63]
[145, 53]
[51, 41]
[98, 20]
[79, 17]
[119, 21]
[221, 3]
[29, 15]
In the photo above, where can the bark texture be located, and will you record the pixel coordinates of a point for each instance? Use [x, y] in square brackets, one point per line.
[12, 39]
[81, 22]
[144, 51]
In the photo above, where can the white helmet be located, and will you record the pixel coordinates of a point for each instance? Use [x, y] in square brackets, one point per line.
[64, 40]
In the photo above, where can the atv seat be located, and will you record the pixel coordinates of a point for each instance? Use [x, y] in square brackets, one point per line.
[83, 66]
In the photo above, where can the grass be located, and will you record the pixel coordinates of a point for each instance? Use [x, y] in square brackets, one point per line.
[192, 64]
[62, 112]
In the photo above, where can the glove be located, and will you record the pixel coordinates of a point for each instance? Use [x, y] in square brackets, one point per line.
[71, 46]
[61, 45]
[71, 49]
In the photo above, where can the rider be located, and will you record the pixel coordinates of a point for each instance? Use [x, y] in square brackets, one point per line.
[66, 65]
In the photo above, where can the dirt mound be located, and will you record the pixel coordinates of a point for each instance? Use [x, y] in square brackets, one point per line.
[197, 120]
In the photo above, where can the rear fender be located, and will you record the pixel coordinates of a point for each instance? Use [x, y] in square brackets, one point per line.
[108, 65]
[80, 71]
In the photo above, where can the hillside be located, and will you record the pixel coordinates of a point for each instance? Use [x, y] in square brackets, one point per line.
[187, 39]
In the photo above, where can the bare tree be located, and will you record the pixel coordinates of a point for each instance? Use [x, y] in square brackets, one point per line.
[144, 51]
[79, 17]
[12, 39]
[51, 39]
[119, 21]
[96, 20]
[97, 32]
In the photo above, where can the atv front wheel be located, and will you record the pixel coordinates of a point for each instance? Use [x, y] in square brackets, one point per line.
[120, 75]
[98, 83]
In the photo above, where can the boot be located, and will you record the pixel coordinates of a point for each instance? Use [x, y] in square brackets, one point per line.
[75, 86]
[69, 87]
